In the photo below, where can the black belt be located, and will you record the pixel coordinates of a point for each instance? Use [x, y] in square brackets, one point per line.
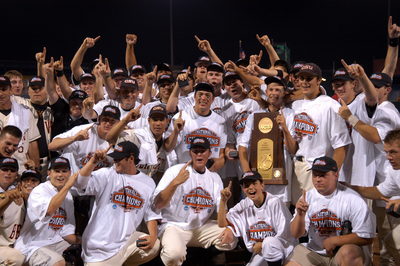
[299, 158]
[43, 159]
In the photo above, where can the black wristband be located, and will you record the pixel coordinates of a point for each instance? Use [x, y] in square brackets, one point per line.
[59, 73]
[394, 42]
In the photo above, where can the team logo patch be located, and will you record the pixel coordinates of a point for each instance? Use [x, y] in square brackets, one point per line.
[111, 110]
[339, 73]
[36, 79]
[58, 219]
[137, 66]
[239, 123]
[198, 141]
[247, 174]
[307, 67]
[260, 230]
[60, 160]
[2, 78]
[304, 125]
[376, 76]
[326, 223]
[298, 65]
[198, 199]
[206, 133]
[132, 81]
[118, 148]
[118, 71]
[9, 160]
[320, 162]
[128, 200]
[165, 77]
[99, 165]
[205, 58]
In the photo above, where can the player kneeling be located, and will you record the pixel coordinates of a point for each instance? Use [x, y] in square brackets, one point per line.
[261, 219]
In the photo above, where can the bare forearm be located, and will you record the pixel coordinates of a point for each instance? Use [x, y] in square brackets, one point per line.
[72, 239]
[115, 131]
[170, 142]
[273, 56]
[77, 62]
[64, 86]
[164, 197]
[213, 56]
[338, 155]
[146, 95]
[352, 239]
[249, 79]
[244, 159]
[368, 192]
[222, 222]
[130, 57]
[368, 132]
[57, 200]
[218, 162]
[391, 60]
[33, 152]
[110, 88]
[50, 86]
[98, 92]
[59, 144]
[152, 227]
[291, 144]
[173, 99]
[371, 96]
[298, 227]
[89, 113]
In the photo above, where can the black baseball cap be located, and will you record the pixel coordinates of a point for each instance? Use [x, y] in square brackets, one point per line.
[78, 94]
[94, 63]
[137, 68]
[341, 74]
[230, 75]
[312, 69]
[36, 81]
[163, 66]
[199, 141]
[282, 62]
[204, 86]
[87, 76]
[166, 77]
[324, 164]
[297, 66]
[112, 111]
[9, 162]
[381, 79]
[216, 67]
[158, 109]
[129, 83]
[119, 72]
[124, 149]
[31, 173]
[242, 62]
[203, 59]
[59, 161]
[184, 71]
[276, 79]
[250, 175]
[5, 80]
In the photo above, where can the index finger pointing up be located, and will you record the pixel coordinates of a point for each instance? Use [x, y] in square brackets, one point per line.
[98, 37]
[344, 64]
[197, 38]
[230, 185]
[304, 194]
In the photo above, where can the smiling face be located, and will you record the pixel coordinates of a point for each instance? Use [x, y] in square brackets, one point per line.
[199, 157]
[344, 89]
[106, 123]
[166, 88]
[87, 85]
[59, 176]
[8, 145]
[310, 85]
[124, 166]
[17, 85]
[128, 97]
[254, 191]
[5, 93]
[75, 107]
[8, 175]
[203, 101]
[325, 183]
[294, 78]
[275, 93]
[28, 184]
[140, 77]
[393, 153]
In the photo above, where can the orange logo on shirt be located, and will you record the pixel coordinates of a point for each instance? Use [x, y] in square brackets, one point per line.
[99, 165]
[239, 123]
[127, 198]
[58, 219]
[198, 199]
[260, 230]
[304, 125]
[206, 133]
[326, 223]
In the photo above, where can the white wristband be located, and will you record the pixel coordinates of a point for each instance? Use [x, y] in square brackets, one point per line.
[353, 120]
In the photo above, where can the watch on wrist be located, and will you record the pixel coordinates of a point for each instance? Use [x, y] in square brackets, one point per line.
[2, 195]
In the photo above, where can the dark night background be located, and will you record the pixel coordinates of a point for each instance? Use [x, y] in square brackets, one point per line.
[315, 31]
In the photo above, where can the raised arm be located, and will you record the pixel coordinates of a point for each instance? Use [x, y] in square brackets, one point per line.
[113, 134]
[85, 172]
[130, 57]
[41, 59]
[59, 144]
[62, 80]
[105, 72]
[273, 56]
[149, 80]
[205, 46]
[298, 225]
[393, 49]
[98, 93]
[225, 195]
[58, 199]
[291, 145]
[87, 109]
[249, 79]
[164, 197]
[49, 83]
[170, 142]
[76, 62]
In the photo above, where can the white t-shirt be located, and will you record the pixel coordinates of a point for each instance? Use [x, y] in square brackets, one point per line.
[212, 127]
[111, 223]
[11, 221]
[255, 224]
[391, 186]
[80, 152]
[236, 115]
[326, 214]
[359, 163]
[40, 230]
[281, 191]
[21, 117]
[319, 130]
[193, 201]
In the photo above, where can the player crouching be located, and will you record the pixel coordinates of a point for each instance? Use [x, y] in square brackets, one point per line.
[261, 219]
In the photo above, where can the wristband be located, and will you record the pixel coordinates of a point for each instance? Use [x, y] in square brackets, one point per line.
[59, 73]
[394, 42]
[106, 77]
[353, 120]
